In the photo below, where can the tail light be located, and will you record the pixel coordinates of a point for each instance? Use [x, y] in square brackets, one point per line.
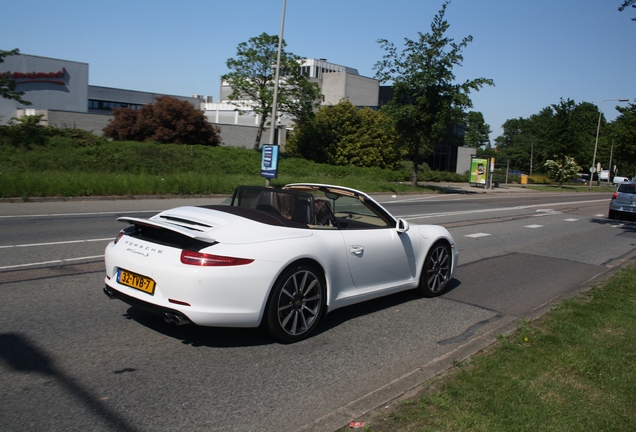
[615, 195]
[209, 260]
[119, 236]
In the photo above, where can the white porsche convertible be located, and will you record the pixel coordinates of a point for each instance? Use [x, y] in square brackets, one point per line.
[276, 258]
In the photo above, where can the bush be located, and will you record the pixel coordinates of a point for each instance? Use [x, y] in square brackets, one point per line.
[27, 132]
[342, 134]
[48, 161]
[443, 176]
[538, 179]
[303, 167]
[76, 137]
[167, 121]
[425, 174]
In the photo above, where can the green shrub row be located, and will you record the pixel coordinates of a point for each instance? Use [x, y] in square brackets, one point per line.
[38, 161]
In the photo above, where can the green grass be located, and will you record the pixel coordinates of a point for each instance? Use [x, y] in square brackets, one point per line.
[572, 370]
[69, 184]
[70, 164]
[62, 167]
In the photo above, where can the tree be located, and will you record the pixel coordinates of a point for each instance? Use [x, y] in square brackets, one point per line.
[126, 126]
[345, 135]
[477, 130]
[7, 83]
[566, 129]
[252, 79]
[571, 131]
[623, 131]
[168, 120]
[516, 144]
[626, 4]
[426, 99]
[562, 170]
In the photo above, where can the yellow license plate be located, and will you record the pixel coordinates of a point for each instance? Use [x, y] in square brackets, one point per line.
[136, 281]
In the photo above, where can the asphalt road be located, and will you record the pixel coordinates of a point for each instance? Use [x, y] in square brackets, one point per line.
[70, 359]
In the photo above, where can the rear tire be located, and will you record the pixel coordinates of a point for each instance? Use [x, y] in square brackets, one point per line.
[612, 214]
[296, 303]
[436, 271]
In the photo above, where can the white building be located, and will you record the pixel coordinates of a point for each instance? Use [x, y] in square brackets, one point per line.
[336, 83]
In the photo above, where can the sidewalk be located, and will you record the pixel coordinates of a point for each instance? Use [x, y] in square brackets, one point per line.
[466, 188]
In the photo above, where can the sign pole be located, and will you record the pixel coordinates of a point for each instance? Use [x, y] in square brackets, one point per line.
[275, 99]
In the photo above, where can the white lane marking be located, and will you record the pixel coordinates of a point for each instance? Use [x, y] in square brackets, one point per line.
[534, 226]
[57, 243]
[570, 220]
[60, 261]
[395, 200]
[547, 212]
[477, 235]
[498, 209]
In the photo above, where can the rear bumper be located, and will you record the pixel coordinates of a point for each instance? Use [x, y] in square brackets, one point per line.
[617, 206]
[169, 315]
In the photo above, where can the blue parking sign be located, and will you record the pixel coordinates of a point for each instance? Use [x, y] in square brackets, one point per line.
[269, 163]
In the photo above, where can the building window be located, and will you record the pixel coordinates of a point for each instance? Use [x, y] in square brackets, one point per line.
[95, 104]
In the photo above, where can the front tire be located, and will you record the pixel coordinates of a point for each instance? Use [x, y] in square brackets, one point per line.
[437, 270]
[296, 303]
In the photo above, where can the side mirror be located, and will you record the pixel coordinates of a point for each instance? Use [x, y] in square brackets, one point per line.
[402, 225]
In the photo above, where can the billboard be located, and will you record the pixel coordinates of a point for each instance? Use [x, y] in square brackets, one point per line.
[478, 168]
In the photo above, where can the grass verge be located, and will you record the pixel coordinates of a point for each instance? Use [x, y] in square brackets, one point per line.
[66, 169]
[72, 184]
[573, 369]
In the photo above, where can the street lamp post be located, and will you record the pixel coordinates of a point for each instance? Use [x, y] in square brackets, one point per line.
[598, 129]
[272, 129]
[531, 155]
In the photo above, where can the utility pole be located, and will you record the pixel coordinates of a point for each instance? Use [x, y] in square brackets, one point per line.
[531, 155]
[272, 129]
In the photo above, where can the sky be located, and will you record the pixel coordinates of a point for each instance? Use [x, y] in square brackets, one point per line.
[536, 51]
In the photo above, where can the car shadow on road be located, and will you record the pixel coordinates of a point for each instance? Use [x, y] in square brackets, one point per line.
[341, 316]
[218, 337]
[197, 336]
[627, 223]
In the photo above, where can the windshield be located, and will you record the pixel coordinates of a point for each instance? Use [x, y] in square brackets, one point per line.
[314, 205]
[627, 188]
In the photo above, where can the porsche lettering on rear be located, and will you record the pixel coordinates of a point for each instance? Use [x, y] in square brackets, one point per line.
[137, 246]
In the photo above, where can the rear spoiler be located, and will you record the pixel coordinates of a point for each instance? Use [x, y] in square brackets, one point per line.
[191, 233]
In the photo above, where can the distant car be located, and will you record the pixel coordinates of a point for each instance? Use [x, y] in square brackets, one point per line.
[624, 200]
[515, 173]
[617, 180]
[276, 258]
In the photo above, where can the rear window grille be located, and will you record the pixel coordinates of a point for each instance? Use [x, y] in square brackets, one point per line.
[186, 223]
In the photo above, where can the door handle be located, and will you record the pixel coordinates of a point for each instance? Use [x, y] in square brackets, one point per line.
[356, 250]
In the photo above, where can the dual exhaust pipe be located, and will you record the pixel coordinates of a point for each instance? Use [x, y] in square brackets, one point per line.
[175, 319]
[109, 292]
[169, 317]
